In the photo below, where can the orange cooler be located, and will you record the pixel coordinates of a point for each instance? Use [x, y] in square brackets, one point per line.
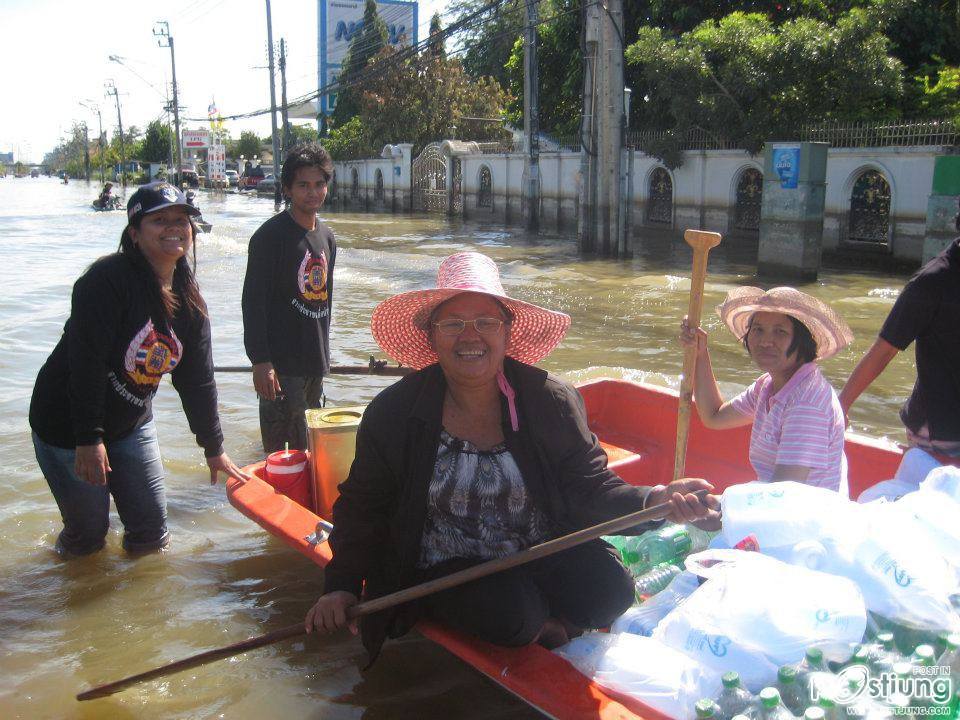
[333, 443]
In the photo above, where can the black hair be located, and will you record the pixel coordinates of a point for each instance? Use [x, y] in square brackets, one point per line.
[185, 292]
[305, 156]
[802, 344]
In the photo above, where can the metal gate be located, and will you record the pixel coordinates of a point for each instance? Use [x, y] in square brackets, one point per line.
[430, 180]
[660, 202]
[870, 209]
[456, 202]
[749, 200]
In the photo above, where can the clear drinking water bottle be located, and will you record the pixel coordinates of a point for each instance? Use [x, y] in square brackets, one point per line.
[706, 709]
[790, 692]
[771, 707]
[668, 544]
[734, 699]
[652, 582]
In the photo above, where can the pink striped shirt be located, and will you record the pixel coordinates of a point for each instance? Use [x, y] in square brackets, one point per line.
[802, 424]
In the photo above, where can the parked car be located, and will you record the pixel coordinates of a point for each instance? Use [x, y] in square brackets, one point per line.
[267, 186]
[233, 178]
[249, 179]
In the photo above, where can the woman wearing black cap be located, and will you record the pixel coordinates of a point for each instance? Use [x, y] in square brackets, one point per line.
[135, 315]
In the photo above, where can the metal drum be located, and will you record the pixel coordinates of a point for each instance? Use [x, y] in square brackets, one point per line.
[333, 443]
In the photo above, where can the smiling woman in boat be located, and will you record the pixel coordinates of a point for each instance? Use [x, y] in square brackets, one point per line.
[798, 423]
[135, 315]
[477, 456]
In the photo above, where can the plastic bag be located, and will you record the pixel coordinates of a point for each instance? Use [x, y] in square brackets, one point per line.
[781, 513]
[668, 681]
[756, 613]
[914, 467]
[642, 619]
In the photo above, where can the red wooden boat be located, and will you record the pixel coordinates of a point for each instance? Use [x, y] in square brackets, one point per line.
[636, 424]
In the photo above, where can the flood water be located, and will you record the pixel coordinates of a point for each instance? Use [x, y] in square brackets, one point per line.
[67, 625]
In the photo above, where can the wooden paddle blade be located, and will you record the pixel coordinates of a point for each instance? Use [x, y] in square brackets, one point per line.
[194, 661]
[701, 239]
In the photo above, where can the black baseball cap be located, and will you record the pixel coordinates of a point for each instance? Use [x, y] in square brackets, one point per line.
[156, 196]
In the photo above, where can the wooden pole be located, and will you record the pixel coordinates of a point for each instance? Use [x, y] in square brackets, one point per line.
[701, 242]
[657, 512]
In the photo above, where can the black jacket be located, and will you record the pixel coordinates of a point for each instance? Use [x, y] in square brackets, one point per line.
[100, 379]
[379, 517]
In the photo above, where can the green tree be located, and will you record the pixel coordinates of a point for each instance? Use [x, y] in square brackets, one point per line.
[368, 41]
[302, 134]
[745, 80]
[488, 40]
[157, 142]
[248, 145]
[436, 48]
[418, 101]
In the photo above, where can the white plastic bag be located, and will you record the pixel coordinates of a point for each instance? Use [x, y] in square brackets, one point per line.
[642, 619]
[780, 513]
[756, 613]
[944, 480]
[668, 681]
[914, 467]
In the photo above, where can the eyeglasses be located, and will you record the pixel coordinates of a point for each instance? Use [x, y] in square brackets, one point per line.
[455, 326]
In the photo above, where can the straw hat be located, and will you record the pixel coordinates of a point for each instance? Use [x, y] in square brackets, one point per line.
[829, 330]
[398, 323]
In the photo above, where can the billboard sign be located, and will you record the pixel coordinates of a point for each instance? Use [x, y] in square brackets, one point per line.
[786, 163]
[195, 138]
[217, 163]
[341, 20]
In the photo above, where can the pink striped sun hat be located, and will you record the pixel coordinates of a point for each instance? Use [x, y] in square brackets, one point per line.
[399, 323]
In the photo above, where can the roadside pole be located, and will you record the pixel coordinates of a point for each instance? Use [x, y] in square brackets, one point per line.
[273, 117]
[90, 105]
[587, 196]
[164, 39]
[531, 119]
[86, 152]
[112, 90]
[285, 148]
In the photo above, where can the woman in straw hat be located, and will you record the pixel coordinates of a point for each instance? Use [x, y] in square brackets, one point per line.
[797, 421]
[477, 456]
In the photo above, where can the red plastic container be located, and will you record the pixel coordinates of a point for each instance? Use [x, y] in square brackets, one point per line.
[289, 473]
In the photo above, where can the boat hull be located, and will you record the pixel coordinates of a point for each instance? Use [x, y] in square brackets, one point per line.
[636, 424]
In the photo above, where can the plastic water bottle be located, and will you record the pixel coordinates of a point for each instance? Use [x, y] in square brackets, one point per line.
[734, 699]
[814, 713]
[888, 656]
[655, 580]
[828, 704]
[699, 539]
[771, 707]
[812, 663]
[950, 657]
[790, 692]
[924, 656]
[668, 544]
[706, 709]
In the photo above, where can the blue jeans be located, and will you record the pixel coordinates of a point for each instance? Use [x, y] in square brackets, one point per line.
[135, 481]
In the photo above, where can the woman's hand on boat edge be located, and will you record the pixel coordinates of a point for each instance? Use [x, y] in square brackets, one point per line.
[329, 613]
[686, 507]
[223, 463]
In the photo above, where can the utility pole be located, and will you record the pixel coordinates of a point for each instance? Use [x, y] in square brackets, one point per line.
[283, 100]
[273, 116]
[164, 39]
[112, 90]
[86, 152]
[96, 108]
[601, 222]
[531, 119]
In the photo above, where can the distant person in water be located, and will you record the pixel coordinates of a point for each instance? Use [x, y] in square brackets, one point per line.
[926, 312]
[135, 316]
[797, 422]
[287, 300]
[477, 456]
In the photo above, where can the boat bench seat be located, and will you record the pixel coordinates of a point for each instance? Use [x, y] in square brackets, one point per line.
[639, 466]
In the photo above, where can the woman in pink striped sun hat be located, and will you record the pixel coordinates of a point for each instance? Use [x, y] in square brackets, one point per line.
[477, 456]
[798, 424]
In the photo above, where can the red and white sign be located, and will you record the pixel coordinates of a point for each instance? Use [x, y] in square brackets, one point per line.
[217, 163]
[196, 138]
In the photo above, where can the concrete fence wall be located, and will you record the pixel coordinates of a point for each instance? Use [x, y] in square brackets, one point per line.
[704, 190]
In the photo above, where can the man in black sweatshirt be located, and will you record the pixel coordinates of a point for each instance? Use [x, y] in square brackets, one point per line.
[287, 299]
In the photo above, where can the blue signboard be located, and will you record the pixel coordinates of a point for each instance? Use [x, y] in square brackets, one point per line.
[786, 163]
[340, 20]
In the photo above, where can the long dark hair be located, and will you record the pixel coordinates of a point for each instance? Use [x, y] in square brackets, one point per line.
[184, 293]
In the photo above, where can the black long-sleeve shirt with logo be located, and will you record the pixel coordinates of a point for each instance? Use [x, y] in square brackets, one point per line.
[288, 296]
[100, 379]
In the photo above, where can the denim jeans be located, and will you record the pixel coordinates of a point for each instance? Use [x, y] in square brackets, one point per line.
[135, 481]
[284, 420]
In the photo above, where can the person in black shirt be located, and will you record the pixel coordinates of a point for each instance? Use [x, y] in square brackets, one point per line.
[287, 299]
[135, 315]
[928, 312]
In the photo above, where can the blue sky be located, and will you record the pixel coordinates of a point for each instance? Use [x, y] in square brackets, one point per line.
[56, 55]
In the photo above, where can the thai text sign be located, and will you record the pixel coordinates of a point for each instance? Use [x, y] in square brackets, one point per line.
[341, 20]
[195, 138]
[217, 163]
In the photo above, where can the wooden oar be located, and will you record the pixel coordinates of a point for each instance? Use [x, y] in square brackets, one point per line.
[657, 512]
[701, 242]
[391, 371]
